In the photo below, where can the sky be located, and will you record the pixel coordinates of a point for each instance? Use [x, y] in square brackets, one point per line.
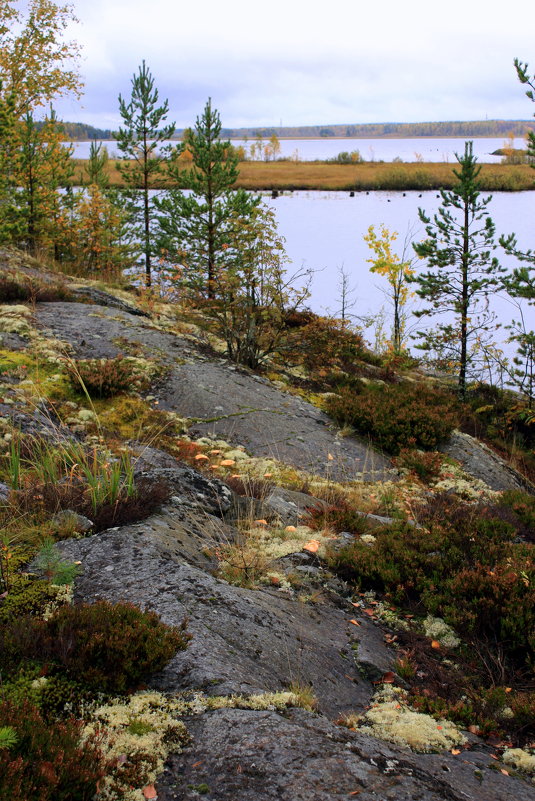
[297, 62]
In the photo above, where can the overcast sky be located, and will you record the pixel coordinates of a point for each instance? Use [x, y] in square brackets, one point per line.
[303, 63]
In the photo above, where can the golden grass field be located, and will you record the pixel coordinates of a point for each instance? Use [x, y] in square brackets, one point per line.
[287, 175]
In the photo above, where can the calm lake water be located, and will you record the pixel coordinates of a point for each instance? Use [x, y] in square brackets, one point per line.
[422, 148]
[324, 232]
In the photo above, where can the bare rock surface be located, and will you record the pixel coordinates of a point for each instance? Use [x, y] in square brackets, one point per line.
[224, 401]
[244, 641]
[480, 461]
[244, 755]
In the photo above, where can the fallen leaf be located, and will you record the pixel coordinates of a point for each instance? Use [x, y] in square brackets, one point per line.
[354, 604]
[435, 644]
[474, 729]
[505, 772]
[356, 792]
[508, 689]
[330, 457]
[455, 751]
[150, 791]
[311, 546]
[196, 764]
[260, 522]
[370, 612]
[355, 622]
[494, 756]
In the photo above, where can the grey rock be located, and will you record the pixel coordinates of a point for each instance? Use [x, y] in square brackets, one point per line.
[190, 487]
[4, 492]
[80, 523]
[266, 420]
[246, 755]
[244, 641]
[481, 462]
[102, 298]
[291, 507]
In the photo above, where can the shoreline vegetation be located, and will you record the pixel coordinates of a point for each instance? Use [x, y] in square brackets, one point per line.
[367, 176]
[453, 129]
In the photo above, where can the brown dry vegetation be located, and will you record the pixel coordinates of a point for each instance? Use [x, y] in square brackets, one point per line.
[284, 175]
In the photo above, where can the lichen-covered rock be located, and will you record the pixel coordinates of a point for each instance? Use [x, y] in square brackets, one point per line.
[245, 755]
[484, 464]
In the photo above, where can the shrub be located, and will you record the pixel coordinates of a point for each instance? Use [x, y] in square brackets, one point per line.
[466, 569]
[324, 342]
[102, 378]
[522, 506]
[397, 416]
[29, 289]
[47, 762]
[106, 647]
[426, 466]
[339, 517]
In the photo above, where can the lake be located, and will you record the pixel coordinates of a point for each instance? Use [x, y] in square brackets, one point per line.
[324, 232]
[416, 149]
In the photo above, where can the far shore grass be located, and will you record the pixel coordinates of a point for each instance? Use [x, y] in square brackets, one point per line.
[368, 176]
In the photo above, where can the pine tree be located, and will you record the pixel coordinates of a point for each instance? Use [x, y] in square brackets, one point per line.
[144, 158]
[194, 228]
[462, 271]
[521, 281]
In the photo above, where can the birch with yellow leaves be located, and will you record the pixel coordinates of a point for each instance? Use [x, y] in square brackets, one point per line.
[398, 271]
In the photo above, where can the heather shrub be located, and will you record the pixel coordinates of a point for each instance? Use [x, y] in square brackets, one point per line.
[468, 570]
[106, 647]
[397, 416]
[425, 466]
[103, 378]
[326, 342]
[522, 506]
[47, 762]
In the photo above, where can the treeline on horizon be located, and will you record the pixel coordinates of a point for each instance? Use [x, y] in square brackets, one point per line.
[474, 128]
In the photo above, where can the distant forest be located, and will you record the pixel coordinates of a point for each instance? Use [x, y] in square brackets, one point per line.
[494, 128]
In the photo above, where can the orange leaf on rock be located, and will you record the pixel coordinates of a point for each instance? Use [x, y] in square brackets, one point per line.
[505, 772]
[355, 622]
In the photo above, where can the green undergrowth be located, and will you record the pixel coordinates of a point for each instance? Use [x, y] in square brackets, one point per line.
[466, 569]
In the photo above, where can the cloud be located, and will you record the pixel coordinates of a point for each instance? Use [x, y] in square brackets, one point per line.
[342, 62]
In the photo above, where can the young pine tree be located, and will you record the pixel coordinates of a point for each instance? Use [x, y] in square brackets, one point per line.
[461, 269]
[144, 158]
[194, 228]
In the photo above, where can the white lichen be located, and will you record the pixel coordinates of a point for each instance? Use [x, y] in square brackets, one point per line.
[391, 718]
[436, 629]
[520, 759]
